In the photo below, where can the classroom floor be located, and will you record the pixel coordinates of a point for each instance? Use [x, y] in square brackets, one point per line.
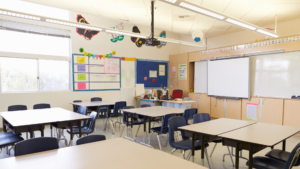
[216, 159]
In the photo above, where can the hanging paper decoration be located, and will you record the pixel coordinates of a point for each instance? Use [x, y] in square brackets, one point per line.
[153, 80]
[97, 56]
[138, 41]
[81, 50]
[116, 37]
[162, 34]
[86, 33]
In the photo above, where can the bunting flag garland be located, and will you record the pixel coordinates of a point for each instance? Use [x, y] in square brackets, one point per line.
[97, 56]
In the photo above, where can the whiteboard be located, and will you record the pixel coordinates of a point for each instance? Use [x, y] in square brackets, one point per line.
[128, 82]
[95, 74]
[200, 80]
[229, 78]
[275, 75]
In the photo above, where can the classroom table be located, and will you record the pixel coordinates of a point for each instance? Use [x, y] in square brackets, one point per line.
[151, 112]
[210, 130]
[256, 137]
[32, 120]
[113, 154]
[96, 104]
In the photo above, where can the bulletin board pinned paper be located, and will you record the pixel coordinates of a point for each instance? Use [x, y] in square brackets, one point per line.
[251, 111]
[95, 74]
[143, 68]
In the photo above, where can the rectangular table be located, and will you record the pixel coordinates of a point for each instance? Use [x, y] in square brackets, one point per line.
[210, 130]
[151, 112]
[32, 120]
[257, 137]
[177, 104]
[113, 154]
[93, 104]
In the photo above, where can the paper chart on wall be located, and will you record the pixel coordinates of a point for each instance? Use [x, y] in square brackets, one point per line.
[128, 74]
[251, 111]
[153, 73]
[182, 72]
[112, 65]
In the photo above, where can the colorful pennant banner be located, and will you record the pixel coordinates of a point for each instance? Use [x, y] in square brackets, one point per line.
[81, 50]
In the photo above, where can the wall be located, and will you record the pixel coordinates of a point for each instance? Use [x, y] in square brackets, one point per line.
[100, 44]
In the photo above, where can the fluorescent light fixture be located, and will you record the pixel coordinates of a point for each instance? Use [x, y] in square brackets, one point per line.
[172, 1]
[202, 11]
[240, 24]
[124, 33]
[267, 33]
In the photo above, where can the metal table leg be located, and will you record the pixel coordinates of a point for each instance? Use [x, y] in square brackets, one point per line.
[237, 150]
[202, 146]
[250, 157]
[193, 146]
[283, 145]
[145, 129]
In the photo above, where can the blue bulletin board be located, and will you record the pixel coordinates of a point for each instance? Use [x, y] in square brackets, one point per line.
[143, 68]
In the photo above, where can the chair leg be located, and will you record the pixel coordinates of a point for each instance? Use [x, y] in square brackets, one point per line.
[212, 151]
[158, 142]
[173, 150]
[112, 126]
[153, 124]
[206, 154]
[122, 130]
[230, 156]
[26, 135]
[189, 156]
[137, 131]
[149, 138]
[183, 153]
[167, 140]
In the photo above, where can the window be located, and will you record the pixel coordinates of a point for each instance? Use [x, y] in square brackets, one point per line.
[27, 75]
[54, 75]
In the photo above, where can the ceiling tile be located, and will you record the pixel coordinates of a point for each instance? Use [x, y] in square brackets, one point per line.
[219, 26]
[238, 10]
[178, 26]
[261, 11]
[211, 34]
[75, 4]
[217, 5]
[130, 3]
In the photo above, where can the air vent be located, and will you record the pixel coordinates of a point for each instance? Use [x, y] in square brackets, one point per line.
[124, 20]
[184, 16]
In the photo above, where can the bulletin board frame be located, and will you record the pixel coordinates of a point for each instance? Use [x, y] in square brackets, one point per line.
[159, 62]
[73, 78]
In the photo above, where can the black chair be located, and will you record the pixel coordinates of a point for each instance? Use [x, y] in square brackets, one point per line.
[96, 99]
[89, 128]
[163, 129]
[281, 156]
[117, 112]
[203, 117]
[17, 107]
[9, 139]
[189, 114]
[41, 106]
[185, 143]
[35, 145]
[271, 163]
[145, 105]
[75, 107]
[90, 139]
[134, 121]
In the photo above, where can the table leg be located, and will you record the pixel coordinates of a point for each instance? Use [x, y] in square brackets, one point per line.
[71, 133]
[202, 146]
[283, 145]
[145, 129]
[237, 152]
[149, 128]
[193, 146]
[4, 127]
[51, 130]
[31, 132]
[42, 131]
[250, 157]
[79, 126]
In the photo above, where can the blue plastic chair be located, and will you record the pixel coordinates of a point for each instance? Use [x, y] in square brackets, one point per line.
[96, 99]
[35, 145]
[17, 107]
[89, 128]
[9, 139]
[189, 114]
[145, 105]
[185, 143]
[163, 129]
[117, 112]
[41, 106]
[281, 156]
[271, 163]
[135, 121]
[75, 107]
[90, 139]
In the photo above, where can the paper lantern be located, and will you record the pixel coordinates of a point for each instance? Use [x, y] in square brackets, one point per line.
[197, 36]
[153, 80]
[81, 50]
[145, 78]
[114, 52]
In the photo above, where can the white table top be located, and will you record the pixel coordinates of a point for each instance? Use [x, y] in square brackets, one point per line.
[92, 104]
[217, 127]
[113, 154]
[155, 111]
[262, 134]
[178, 102]
[40, 116]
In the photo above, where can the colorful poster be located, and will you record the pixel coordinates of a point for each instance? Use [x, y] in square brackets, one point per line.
[81, 68]
[173, 69]
[251, 111]
[182, 72]
[81, 59]
[81, 77]
[162, 70]
[81, 86]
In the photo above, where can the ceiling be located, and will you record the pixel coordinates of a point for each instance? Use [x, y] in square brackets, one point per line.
[258, 12]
